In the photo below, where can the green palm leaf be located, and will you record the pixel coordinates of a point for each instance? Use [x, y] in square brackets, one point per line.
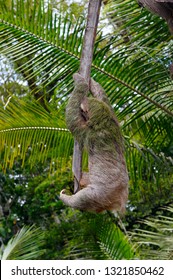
[37, 36]
[156, 242]
[114, 244]
[25, 245]
[51, 46]
[26, 128]
[103, 240]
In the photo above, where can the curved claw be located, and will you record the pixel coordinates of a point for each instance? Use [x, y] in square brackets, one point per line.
[62, 192]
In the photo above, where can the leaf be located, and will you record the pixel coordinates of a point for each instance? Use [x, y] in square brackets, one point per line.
[156, 241]
[114, 244]
[27, 129]
[25, 245]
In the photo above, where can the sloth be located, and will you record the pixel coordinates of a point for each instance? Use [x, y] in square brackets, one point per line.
[163, 8]
[92, 122]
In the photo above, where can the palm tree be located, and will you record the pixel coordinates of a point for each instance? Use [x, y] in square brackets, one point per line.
[42, 48]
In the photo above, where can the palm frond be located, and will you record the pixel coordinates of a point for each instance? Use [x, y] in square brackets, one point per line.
[103, 240]
[28, 130]
[156, 241]
[114, 244]
[131, 74]
[47, 45]
[150, 175]
[25, 245]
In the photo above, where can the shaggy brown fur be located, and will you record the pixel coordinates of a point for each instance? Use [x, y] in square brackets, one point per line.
[93, 123]
[163, 8]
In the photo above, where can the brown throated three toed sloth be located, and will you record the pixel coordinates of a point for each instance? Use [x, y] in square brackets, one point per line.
[93, 123]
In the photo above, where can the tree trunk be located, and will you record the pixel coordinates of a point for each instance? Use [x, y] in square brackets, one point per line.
[84, 70]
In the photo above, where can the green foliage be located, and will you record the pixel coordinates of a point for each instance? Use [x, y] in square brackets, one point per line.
[40, 47]
[25, 245]
[91, 236]
[30, 132]
[156, 238]
[113, 243]
[25, 192]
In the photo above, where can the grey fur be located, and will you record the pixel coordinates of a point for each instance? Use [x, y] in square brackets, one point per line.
[92, 122]
[162, 8]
